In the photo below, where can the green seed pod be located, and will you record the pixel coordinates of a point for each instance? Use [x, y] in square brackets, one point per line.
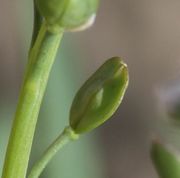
[166, 160]
[99, 97]
[68, 14]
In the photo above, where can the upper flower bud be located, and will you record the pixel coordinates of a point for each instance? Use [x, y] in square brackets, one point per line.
[99, 97]
[67, 14]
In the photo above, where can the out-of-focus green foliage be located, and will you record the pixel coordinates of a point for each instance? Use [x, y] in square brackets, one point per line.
[166, 161]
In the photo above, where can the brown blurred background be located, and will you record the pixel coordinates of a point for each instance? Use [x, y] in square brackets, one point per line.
[146, 34]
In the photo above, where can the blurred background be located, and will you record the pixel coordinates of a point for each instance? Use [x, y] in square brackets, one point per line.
[146, 34]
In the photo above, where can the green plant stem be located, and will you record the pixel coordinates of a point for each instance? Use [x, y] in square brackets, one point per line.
[66, 136]
[41, 59]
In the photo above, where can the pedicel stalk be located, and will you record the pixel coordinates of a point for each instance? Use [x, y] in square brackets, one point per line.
[95, 102]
